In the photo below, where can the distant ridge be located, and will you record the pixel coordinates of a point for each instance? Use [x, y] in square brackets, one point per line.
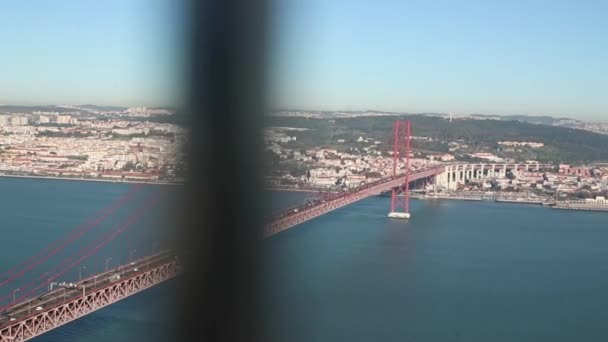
[29, 109]
[103, 108]
[545, 120]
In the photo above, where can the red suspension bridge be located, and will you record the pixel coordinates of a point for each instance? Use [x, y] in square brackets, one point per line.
[398, 183]
[447, 176]
[36, 295]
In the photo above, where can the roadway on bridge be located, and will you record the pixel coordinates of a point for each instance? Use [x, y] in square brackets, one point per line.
[310, 210]
[61, 295]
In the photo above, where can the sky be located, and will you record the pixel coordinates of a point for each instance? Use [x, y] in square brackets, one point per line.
[110, 52]
[493, 57]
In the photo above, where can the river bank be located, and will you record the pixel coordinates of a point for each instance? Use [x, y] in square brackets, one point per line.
[132, 181]
[456, 197]
[297, 190]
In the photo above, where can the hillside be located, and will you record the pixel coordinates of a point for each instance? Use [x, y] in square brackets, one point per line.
[562, 144]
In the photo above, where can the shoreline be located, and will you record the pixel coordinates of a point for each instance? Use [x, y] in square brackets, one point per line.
[500, 201]
[458, 198]
[294, 190]
[590, 209]
[92, 179]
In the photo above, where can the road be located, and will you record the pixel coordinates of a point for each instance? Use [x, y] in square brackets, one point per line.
[57, 297]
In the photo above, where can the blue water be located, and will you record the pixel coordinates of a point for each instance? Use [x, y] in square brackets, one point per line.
[35, 213]
[457, 271]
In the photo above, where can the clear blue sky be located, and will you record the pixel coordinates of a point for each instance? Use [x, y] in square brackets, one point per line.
[501, 57]
[109, 52]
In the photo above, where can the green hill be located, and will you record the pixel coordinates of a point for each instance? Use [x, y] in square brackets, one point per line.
[562, 144]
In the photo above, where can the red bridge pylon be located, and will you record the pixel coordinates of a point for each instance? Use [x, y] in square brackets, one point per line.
[400, 197]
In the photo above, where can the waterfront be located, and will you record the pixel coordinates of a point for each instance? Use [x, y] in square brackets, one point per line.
[37, 212]
[457, 271]
[92, 179]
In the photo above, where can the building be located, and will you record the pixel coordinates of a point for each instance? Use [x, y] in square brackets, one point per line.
[64, 119]
[44, 119]
[443, 157]
[4, 120]
[487, 156]
[521, 144]
[19, 121]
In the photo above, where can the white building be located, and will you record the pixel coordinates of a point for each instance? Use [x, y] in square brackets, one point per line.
[63, 119]
[19, 121]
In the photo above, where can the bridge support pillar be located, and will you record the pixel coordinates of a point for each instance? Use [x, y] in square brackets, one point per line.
[442, 179]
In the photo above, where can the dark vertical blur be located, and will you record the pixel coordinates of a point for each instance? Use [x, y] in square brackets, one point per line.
[222, 211]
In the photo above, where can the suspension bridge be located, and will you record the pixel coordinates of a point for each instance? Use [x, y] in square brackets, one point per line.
[398, 184]
[37, 296]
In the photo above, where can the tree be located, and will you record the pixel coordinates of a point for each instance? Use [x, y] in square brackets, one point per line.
[128, 166]
[373, 174]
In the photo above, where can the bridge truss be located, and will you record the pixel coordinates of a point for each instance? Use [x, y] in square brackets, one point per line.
[84, 303]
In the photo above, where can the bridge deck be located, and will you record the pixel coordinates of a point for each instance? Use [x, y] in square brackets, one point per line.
[309, 211]
[58, 307]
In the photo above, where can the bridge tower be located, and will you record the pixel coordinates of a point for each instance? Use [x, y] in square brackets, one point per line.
[400, 196]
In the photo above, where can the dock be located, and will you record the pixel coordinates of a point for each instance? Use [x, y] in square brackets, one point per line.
[580, 208]
[521, 201]
[461, 198]
[598, 204]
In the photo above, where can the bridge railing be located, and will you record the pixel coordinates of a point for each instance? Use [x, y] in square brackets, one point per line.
[59, 312]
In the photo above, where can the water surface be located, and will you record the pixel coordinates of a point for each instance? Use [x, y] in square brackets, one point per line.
[37, 215]
[457, 271]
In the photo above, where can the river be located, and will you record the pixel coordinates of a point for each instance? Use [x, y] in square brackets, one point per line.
[35, 213]
[457, 271]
